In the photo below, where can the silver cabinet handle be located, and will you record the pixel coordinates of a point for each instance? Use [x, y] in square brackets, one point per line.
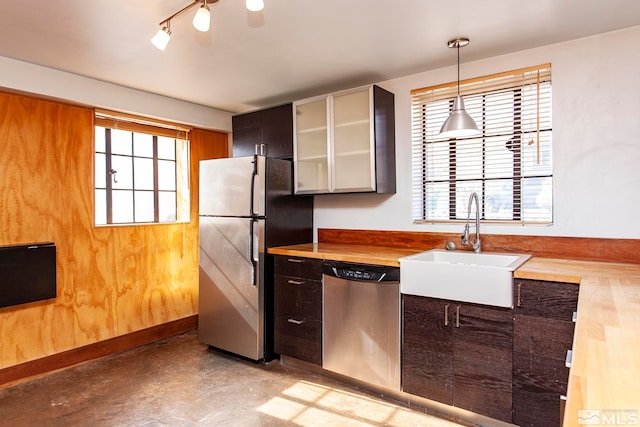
[574, 317]
[294, 282]
[519, 287]
[295, 322]
[446, 315]
[568, 359]
[299, 261]
[457, 316]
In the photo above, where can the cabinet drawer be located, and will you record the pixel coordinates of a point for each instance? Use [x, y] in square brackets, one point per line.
[537, 373]
[553, 300]
[308, 268]
[296, 296]
[544, 337]
[300, 338]
[536, 408]
[538, 383]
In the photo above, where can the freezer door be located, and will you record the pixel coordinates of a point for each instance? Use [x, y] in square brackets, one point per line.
[231, 301]
[226, 186]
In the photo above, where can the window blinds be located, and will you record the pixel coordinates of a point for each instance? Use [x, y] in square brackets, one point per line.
[509, 165]
[128, 122]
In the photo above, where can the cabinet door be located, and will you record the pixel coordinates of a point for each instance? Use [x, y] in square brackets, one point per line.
[311, 147]
[353, 142]
[552, 300]
[543, 332]
[427, 349]
[246, 133]
[271, 127]
[538, 383]
[276, 131]
[483, 340]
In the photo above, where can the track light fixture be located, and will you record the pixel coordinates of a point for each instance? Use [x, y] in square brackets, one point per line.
[459, 123]
[201, 20]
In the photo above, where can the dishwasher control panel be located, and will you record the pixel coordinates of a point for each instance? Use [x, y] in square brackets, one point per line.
[361, 272]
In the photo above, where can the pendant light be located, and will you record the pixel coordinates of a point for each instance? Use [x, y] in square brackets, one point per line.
[459, 123]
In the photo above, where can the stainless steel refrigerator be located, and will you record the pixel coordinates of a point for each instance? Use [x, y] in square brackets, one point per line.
[246, 205]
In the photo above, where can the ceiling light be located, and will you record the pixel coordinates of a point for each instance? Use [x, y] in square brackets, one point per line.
[255, 5]
[202, 18]
[459, 123]
[162, 37]
[201, 21]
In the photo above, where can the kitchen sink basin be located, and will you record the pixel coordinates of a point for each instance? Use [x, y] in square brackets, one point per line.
[481, 278]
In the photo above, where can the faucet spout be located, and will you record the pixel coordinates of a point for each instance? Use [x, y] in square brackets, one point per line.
[476, 244]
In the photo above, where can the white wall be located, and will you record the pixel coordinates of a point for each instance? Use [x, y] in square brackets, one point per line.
[38, 80]
[596, 143]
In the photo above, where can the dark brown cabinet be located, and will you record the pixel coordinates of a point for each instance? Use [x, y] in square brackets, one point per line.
[543, 333]
[458, 354]
[270, 130]
[298, 308]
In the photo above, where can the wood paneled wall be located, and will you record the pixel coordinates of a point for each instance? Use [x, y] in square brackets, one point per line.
[111, 281]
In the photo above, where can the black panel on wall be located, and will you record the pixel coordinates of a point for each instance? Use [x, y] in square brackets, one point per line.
[27, 273]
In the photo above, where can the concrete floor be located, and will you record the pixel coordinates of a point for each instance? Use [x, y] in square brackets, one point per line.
[180, 382]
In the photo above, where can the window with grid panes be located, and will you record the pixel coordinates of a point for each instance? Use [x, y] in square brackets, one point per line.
[509, 164]
[141, 171]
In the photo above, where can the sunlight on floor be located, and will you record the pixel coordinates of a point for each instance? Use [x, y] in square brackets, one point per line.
[309, 404]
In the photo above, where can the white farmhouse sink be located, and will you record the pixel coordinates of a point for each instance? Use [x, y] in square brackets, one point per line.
[484, 278]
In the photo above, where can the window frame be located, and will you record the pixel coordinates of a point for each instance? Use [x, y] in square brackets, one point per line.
[108, 122]
[478, 88]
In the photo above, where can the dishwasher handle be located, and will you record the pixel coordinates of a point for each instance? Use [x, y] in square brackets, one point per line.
[361, 272]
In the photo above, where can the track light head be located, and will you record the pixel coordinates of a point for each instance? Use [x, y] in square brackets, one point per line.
[202, 18]
[162, 37]
[255, 5]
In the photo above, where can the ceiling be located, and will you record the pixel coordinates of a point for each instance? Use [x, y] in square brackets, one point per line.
[292, 49]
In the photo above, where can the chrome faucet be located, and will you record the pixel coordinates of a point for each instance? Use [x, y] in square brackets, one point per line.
[476, 244]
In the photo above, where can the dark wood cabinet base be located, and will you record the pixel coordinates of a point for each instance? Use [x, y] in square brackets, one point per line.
[298, 308]
[458, 354]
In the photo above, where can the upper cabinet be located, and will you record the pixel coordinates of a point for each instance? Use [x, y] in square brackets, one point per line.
[345, 143]
[268, 132]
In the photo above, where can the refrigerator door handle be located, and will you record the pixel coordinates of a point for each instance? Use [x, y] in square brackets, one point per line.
[252, 249]
[252, 191]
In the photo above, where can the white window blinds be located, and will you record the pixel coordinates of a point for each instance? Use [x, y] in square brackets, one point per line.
[122, 121]
[508, 165]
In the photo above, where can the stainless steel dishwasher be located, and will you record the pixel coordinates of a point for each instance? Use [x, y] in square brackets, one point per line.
[361, 322]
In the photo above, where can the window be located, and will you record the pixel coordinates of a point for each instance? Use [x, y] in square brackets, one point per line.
[508, 165]
[141, 171]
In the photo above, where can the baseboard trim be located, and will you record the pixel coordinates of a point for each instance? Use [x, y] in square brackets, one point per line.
[17, 373]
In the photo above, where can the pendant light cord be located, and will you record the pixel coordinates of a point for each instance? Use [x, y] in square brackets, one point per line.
[458, 69]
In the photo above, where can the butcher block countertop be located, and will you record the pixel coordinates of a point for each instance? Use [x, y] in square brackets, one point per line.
[605, 371]
[360, 254]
